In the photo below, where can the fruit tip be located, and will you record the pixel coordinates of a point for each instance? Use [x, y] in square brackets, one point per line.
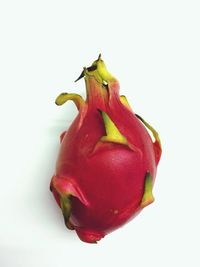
[91, 68]
[81, 75]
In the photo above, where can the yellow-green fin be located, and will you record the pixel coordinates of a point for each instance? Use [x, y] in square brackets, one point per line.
[154, 132]
[64, 97]
[124, 101]
[65, 204]
[112, 133]
[148, 195]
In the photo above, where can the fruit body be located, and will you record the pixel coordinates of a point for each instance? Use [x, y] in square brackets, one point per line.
[107, 162]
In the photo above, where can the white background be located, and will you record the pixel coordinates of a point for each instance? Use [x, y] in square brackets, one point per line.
[153, 48]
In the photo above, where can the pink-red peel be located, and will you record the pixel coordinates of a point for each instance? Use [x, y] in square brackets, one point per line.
[107, 162]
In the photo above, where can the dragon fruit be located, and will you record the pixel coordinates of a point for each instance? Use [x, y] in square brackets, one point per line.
[107, 161]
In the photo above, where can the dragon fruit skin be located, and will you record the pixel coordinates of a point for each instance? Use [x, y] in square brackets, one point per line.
[107, 161]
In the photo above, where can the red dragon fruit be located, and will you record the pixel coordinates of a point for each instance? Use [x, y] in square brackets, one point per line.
[107, 161]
